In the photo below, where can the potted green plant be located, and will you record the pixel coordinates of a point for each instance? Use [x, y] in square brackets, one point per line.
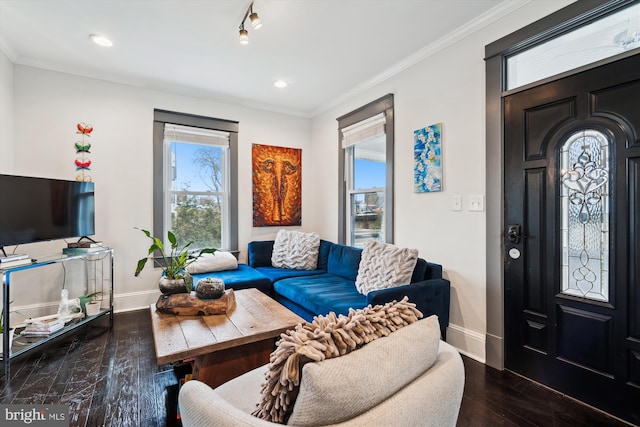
[85, 299]
[175, 278]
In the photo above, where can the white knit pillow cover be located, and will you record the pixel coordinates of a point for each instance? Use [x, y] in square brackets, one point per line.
[296, 250]
[384, 266]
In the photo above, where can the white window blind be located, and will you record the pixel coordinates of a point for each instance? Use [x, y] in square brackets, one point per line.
[195, 135]
[363, 131]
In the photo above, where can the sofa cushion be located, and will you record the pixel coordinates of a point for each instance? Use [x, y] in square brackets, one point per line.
[321, 293]
[374, 373]
[243, 391]
[295, 250]
[259, 253]
[218, 261]
[323, 254]
[241, 278]
[419, 271]
[384, 266]
[344, 261]
[275, 273]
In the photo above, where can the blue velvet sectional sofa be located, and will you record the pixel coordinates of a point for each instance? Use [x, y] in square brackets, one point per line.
[331, 286]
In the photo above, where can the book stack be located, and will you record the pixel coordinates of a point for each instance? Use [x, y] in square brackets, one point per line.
[76, 251]
[43, 328]
[84, 245]
[14, 261]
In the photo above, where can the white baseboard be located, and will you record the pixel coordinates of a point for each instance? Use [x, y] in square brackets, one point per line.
[121, 302]
[470, 343]
[134, 300]
[19, 313]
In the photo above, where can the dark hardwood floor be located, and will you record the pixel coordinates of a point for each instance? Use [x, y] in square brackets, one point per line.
[109, 377]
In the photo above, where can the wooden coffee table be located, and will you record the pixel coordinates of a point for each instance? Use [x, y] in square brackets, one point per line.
[223, 346]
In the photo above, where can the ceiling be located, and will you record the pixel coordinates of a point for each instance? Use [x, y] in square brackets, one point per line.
[327, 50]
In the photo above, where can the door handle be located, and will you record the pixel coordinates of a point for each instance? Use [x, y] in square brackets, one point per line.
[514, 233]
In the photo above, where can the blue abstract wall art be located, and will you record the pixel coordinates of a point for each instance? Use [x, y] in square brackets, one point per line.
[427, 170]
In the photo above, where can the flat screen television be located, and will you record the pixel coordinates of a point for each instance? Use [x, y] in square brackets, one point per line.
[39, 209]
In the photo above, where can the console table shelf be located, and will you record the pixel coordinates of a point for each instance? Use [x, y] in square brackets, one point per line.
[98, 261]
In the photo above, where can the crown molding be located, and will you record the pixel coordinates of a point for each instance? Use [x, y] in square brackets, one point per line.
[487, 18]
[7, 49]
[453, 37]
[156, 85]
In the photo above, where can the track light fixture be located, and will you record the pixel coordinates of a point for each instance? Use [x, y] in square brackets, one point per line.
[244, 35]
[256, 23]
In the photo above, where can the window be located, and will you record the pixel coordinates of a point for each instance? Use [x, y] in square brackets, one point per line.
[585, 215]
[364, 145]
[195, 163]
[196, 173]
[366, 174]
[600, 39]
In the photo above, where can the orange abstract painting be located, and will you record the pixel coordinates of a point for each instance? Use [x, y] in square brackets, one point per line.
[277, 185]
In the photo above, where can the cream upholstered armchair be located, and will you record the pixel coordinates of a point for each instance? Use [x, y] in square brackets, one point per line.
[409, 378]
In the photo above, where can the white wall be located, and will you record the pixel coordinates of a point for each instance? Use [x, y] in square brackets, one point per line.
[6, 114]
[448, 87]
[47, 106]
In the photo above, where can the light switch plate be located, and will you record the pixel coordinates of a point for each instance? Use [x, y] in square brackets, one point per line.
[476, 203]
[456, 203]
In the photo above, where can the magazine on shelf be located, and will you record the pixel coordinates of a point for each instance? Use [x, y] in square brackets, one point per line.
[43, 326]
[46, 326]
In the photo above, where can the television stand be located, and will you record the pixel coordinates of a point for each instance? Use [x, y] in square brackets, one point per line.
[93, 270]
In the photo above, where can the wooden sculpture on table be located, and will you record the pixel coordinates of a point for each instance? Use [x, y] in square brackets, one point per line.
[82, 149]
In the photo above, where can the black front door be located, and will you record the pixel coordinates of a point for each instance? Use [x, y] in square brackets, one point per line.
[572, 231]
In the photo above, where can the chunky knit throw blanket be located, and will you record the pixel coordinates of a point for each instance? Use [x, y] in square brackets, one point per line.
[326, 337]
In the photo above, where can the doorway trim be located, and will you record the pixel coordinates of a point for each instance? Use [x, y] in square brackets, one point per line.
[559, 22]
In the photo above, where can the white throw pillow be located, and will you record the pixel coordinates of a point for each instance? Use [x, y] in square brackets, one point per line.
[384, 266]
[336, 390]
[296, 250]
[218, 261]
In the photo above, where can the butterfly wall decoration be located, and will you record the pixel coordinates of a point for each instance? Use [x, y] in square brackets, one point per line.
[82, 149]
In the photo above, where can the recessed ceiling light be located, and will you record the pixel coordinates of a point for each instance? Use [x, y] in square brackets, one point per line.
[280, 84]
[101, 40]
